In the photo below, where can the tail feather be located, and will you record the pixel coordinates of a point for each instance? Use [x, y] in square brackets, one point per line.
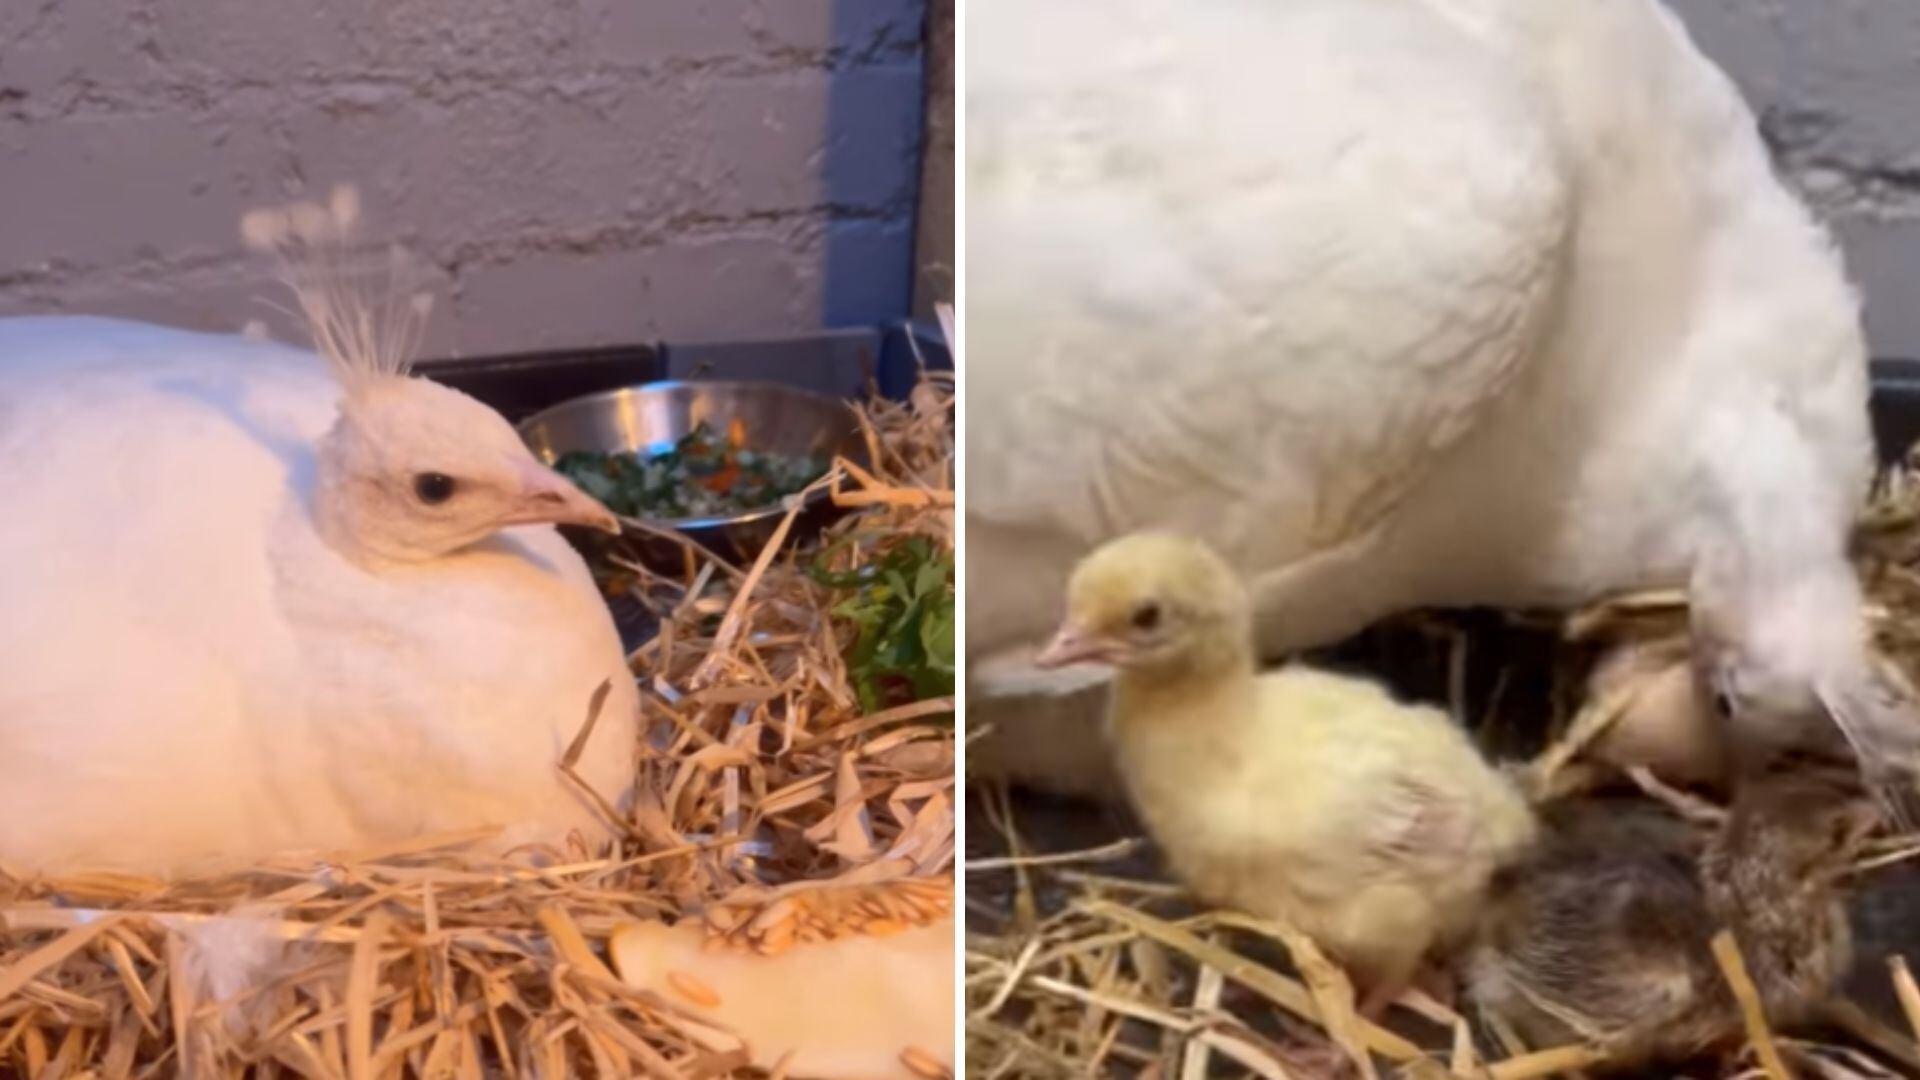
[226, 957]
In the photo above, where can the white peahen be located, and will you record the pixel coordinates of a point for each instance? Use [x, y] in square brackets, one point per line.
[1407, 303]
[257, 601]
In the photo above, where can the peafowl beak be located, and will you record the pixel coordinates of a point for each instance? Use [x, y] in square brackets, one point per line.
[547, 498]
[1075, 645]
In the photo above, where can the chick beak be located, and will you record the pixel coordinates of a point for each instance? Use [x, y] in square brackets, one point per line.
[547, 498]
[1074, 645]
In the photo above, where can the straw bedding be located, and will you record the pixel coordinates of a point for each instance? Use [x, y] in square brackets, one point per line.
[1082, 959]
[769, 807]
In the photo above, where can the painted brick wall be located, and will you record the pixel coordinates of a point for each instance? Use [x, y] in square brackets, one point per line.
[577, 172]
[934, 249]
[1837, 87]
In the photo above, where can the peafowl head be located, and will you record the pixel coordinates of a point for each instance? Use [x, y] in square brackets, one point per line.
[411, 470]
[1784, 649]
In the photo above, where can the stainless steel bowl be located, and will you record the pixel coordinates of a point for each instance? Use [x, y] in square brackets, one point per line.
[652, 417]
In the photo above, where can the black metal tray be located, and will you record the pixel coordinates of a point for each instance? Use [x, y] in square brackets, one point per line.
[521, 385]
[848, 363]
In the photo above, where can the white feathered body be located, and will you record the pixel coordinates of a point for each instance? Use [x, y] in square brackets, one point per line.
[1396, 302]
[188, 673]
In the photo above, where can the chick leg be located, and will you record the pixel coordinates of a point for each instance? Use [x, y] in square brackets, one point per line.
[1381, 996]
[1386, 978]
[1429, 981]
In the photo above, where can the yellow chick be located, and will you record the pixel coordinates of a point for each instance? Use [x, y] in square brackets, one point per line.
[1371, 825]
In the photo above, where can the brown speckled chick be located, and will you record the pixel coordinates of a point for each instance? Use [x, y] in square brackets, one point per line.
[1603, 934]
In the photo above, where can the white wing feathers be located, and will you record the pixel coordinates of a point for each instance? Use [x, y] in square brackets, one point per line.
[1249, 323]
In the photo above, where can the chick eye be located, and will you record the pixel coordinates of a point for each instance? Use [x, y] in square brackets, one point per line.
[433, 488]
[1146, 617]
[1723, 704]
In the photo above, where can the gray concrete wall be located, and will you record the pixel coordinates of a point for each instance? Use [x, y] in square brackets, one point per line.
[577, 172]
[1837, 86]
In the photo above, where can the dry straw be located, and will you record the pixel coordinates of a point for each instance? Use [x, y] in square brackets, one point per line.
[1076, 967]
[769, 807]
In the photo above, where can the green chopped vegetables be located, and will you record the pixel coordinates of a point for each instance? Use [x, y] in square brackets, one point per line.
[898, 604]
[902, 613]
[704, 475]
